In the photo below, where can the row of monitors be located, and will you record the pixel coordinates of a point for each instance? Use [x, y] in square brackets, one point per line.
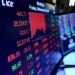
[29, 41]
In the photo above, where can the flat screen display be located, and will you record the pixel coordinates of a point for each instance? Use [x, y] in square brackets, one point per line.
[67, 31]
[29, 41]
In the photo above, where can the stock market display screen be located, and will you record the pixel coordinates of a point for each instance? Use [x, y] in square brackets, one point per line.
[29, 41]
[67, 31]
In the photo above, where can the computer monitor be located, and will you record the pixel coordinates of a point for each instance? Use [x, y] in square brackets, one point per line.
[67, 31]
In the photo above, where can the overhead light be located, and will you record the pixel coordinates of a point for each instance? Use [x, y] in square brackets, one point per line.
[72, 3]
